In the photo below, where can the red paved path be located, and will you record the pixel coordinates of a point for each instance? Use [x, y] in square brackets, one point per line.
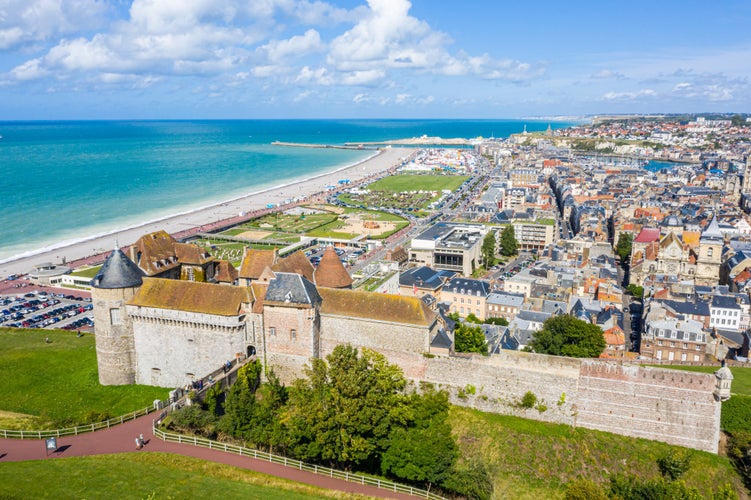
[121, 439]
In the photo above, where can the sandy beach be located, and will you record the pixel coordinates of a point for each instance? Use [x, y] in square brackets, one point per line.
[208, 216]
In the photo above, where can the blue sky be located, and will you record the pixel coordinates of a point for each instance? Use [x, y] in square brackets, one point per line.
[113, 59]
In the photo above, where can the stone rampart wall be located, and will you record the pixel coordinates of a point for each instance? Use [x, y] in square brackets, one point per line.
[652, 403]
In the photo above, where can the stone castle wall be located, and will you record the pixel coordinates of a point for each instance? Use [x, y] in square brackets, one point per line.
[652, 403]
[175, 346]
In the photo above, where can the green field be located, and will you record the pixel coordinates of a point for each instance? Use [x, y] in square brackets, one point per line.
[57, 383]
[298, 224]
[146, 476]
[417, 182]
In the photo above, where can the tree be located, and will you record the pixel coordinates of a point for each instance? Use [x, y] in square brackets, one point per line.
[424, 451]
[496, 321]
[469, 339]
[240, 402]
[623, 247]
[488, 250]
[568, 336]
[636, 290]
[344, 409]
[509, 245]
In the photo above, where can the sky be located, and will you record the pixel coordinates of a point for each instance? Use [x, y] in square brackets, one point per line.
[240, 59]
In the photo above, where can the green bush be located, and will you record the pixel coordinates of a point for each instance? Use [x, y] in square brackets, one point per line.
[583, 489]
[529, 400]
[674, 464]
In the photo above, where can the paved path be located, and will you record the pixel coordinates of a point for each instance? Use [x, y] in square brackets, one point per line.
[121, 439]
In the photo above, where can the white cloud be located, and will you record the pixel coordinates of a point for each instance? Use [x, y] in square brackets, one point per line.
[30, 21]
[629, 96]
[362, 77]
[360, 98]
[606, 74]
[295, 47]
[318, 76]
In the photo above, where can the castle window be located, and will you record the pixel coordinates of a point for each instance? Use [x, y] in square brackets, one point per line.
[115, 316]
[293, 334]
[272, 331]
[710, 250]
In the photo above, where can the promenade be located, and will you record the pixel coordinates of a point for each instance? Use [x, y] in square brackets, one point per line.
[121, 439]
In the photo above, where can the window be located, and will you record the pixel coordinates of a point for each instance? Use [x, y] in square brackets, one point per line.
[462, 300]
[478, 302]
[115, 316]
[683, 356]
[710, 251]
[293, 334]
[659, 342]
[272, 331]
[685, 346]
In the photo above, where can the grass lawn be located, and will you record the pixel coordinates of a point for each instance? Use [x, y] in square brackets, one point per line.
[86, 273]
[534, 460]
[58, 383]
[417, 182]
[291, 223]
[146, 475]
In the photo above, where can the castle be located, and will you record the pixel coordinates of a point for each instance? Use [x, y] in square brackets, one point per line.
[164, 332]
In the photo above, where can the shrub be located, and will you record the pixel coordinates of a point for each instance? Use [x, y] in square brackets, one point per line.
[583, 489]
[674, 464]
[528, 400]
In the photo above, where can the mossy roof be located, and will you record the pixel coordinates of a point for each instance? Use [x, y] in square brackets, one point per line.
[295, 263]
[155, 252]
[376, 306]
[225, 272]
[190, 296]
[255, 261]
[189, 253]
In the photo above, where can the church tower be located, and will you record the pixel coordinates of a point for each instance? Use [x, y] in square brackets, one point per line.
[116, 283]
[709, 256]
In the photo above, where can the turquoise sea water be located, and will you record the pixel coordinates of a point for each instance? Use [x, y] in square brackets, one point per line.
[62, 181]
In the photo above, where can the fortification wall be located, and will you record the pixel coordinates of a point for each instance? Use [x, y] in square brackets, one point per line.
[652, 403]
[175, 346]
[497, 383]
[377, 335]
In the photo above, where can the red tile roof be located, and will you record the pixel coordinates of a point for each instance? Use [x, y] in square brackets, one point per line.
[648, 235]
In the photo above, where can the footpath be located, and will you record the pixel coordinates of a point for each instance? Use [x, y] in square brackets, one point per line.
[121, 439]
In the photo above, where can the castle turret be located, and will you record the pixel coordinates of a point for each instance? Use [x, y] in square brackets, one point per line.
[116, 283]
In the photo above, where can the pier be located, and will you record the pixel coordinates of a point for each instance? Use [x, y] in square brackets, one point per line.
[358, 147]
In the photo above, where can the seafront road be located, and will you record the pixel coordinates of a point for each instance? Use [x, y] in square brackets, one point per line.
[121, 439]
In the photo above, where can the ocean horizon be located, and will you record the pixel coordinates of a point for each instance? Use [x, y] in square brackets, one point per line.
[64, 181]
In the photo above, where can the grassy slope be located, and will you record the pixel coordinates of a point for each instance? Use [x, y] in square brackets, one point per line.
[401, 183]
[145, 475]
[533, 460]
[59, 381]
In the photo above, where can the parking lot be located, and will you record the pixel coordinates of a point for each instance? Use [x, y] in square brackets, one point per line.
[43, 309]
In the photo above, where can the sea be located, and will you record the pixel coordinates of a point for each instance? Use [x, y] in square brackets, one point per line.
[63, 181]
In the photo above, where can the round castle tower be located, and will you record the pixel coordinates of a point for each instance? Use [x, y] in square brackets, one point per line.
[116, 283]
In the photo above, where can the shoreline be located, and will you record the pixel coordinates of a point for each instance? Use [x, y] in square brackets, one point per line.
[307, 187]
